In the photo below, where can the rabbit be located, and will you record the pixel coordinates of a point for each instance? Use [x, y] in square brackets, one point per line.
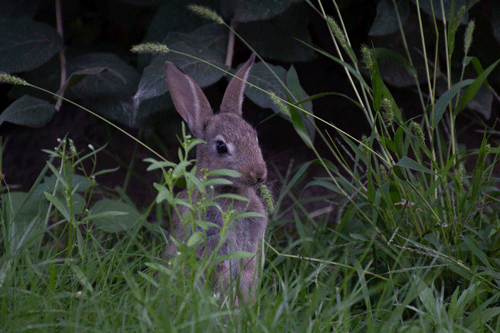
[229, 143]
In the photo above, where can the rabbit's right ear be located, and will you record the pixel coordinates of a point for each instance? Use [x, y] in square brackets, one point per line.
[189, 99]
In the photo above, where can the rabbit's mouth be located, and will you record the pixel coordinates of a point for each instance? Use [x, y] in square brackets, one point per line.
[241, 183]
[251, 180]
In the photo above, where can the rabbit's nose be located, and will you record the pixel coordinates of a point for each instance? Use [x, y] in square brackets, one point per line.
[259, 175]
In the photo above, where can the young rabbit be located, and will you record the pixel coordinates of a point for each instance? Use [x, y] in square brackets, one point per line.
[229, 143]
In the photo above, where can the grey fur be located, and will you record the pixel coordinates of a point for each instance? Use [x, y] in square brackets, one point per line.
[244, 156]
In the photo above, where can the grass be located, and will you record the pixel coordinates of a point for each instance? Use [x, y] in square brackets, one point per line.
[415, 247]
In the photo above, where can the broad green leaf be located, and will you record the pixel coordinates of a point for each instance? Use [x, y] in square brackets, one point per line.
[386, 20]
[495, 19]
[19, 9]
[263, 78]
[105, 83]
[206, 44]
[445, 99]
[344, 64]
[28, 111]
[254, 10]
[474, 87]
[114, 216]
[290, 26]
[26, 44]
[142, 2]
[431, 7]
[274, 80]
[195, 239]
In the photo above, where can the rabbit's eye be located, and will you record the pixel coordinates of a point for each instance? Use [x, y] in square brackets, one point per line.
[221, 147]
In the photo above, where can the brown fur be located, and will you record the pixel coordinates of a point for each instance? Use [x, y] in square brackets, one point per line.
[244, 156]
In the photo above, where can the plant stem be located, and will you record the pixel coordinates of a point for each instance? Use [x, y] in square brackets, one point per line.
[62, 56]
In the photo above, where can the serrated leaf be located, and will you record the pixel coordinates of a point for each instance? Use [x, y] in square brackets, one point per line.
[28, 111]
[26, 45]
[386, 20]
[114, 216]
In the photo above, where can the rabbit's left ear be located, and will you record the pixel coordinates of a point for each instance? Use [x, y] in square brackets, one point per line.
[233, 97]
[189, 99]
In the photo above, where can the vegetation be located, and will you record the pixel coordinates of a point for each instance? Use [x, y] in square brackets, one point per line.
[410, 242]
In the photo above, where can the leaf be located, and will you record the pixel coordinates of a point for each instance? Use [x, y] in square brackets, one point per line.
[386, 20]
[195, 239]
[171, 16]
[26, 45]
[292, 81]
[142, 2]
[291, 26]
[376, 85]
[435, 8]
[106, 84]
[408, 163]
[59, 205]
[80, 275]
[427, 298]
[299, 126]
[495, 19]
[207, 43]
[254, 10]
[235, 255]
[114, 216]
[474, 87]
[28, 111]
[20, 9]
[274, 80]
[444, 100]
[262, 77]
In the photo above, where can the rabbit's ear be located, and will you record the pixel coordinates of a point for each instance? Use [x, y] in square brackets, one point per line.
[189, 99]
[233, 97]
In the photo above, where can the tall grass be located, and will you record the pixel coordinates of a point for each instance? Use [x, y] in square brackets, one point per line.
[414, 249]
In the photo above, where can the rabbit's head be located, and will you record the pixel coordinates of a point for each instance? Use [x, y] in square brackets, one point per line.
[230, 142]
